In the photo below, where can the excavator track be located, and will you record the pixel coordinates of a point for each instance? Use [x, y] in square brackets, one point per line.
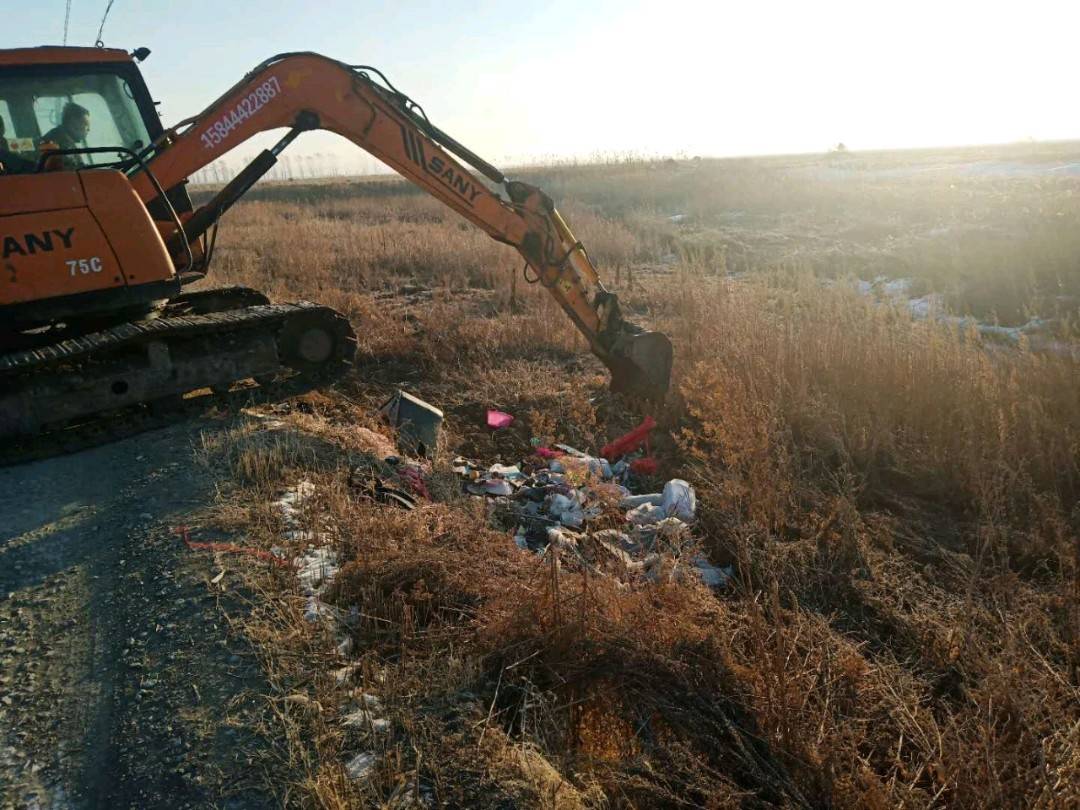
[78, 385]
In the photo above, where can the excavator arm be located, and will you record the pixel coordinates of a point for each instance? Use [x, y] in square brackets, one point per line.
[304, 91]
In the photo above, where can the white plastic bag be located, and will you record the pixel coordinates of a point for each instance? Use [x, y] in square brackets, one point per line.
[679, 500]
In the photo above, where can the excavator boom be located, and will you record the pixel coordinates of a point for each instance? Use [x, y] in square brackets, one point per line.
[99, 237]
[303, 91]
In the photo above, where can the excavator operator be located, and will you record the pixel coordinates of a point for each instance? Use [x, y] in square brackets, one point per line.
[73, 129]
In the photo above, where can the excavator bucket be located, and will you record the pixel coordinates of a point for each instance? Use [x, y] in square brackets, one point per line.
[640, 364]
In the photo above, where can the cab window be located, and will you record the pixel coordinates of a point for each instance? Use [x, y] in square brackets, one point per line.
[32, 105]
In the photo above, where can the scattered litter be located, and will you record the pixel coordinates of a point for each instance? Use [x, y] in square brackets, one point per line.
[570, 451]
[374, 488]
[497, 420]
[672, 530]
[631, 501]
[562, 539]
[645, 515]
[492, 486]
[604, 555]
[313, 609]
[521, 539]
[679, 500]
[581, 467]
[416, 422]
[618, 539]
[567, 509]
[711, 575]
[412, 475]
[269, 556]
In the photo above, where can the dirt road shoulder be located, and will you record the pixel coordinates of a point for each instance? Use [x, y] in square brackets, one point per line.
[120, 683]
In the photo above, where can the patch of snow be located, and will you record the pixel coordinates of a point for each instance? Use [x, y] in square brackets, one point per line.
[344, 674]
[926, 306]
[897, 287]
[316, 568]
[291, 501]
[314, 609]
[365, 720]
[370, 700]
[360, 766]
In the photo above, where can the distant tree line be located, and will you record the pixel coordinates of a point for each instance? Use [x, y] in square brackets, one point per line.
[291, 167]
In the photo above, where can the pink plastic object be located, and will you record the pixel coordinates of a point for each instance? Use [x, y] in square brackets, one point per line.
[496, 420]
[547, 452]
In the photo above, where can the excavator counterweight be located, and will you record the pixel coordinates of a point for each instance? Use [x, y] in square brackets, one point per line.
[99, 235]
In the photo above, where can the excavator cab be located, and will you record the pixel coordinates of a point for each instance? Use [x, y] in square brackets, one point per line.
[38, 84]
[78, 243]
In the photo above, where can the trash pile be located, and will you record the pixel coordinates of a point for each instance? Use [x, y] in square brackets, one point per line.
[561, 500]
[583, 508]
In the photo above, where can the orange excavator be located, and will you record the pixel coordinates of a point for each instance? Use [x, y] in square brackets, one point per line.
[99, 237]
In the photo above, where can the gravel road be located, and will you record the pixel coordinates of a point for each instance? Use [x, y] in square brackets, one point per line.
[121, 684]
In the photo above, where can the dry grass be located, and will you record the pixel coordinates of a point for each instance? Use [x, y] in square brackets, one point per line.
[899, 501]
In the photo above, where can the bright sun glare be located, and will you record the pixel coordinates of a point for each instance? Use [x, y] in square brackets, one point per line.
[738, 78]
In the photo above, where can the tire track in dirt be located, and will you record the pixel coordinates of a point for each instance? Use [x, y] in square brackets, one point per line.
[120, 684]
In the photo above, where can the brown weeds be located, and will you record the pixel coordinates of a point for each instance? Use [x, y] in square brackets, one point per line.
[898, 501]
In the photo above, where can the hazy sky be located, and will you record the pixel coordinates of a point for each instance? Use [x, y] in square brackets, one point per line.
[521, 81]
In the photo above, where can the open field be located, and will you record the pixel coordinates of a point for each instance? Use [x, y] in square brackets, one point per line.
[897, 495]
